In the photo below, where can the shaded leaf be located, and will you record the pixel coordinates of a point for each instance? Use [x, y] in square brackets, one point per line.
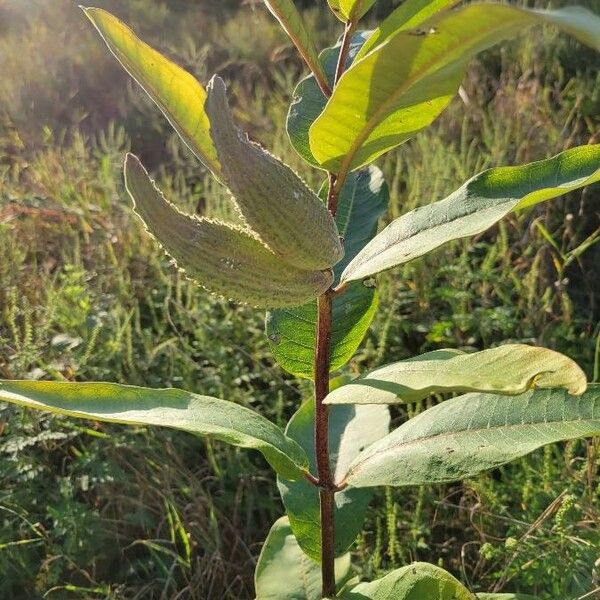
[177, 93]
[475, 207]
[508, 369]
[419, 581]
[461, 437]
[284, 572]
[177, 409]
[351, 428]
[222, 258]
[401, 97]
[292, 332]
[483, 596]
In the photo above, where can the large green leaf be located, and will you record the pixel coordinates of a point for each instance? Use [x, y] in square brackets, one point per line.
[172, 408]
[177, 93]
[292, 332]
[308, 101]
[461, 437]
[287, 14]
[351, 428]
[474, 207]
[409, 15]
[284, 572]
[419, 581]
[509, 369]
[411, 77]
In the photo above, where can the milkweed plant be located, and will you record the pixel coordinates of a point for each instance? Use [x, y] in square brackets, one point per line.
[309, 258]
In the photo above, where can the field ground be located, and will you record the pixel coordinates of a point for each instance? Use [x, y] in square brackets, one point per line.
[104, 512]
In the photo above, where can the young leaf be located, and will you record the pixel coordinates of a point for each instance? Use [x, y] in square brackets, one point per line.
[419, 581]
[287, 14]
[178, 94]
[222, 258]
[284, 572]
[308, 100]
[401, 97]
[350, 429]
[177, 409]
[461, 437]
[408, 15]
[285, 213]
[291, 332]
[509, 369]
[350, 10]
[475, 207]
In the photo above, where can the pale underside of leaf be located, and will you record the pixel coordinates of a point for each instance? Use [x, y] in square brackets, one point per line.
[383, 100]
[222, 258]
[418, 581]
[509, 369]
[462, 437]
[176, 92]
[284, 572]
[350, 429]
[171, 408]
[473, 208]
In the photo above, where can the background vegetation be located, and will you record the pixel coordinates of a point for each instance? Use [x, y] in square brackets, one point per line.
[90, 511]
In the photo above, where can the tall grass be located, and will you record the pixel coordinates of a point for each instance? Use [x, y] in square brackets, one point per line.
[90, 511]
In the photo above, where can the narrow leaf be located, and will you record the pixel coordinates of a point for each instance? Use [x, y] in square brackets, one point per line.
[401, 97]
[475, 207]
[291, 332]
[351, 428]
[178, 94]
[284, 572]
[177, 409]
[509, 369]
[287, 14]
[224, 259]
[285, 213]
[419, 581]
[461, 437]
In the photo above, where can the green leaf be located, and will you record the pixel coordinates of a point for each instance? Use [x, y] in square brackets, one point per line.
[291, 332]
[177, 409]
[401, 97]
[308, 100]
[483, 596]
[461, 437]
[223, 258]
[409, 15]
[351, 428]
[419, 581]
[275, 203]
[177, 93]
[284, 572]
[509, 369]
[287, 14]
[475, 207]
[350, 10]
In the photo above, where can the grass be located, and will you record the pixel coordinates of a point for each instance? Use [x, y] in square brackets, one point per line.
[90, 511]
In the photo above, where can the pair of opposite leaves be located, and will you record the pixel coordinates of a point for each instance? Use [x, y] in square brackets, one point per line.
[283, 257]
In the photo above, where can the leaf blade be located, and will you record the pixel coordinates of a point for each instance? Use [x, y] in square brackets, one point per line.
[474, 207]
[464, 436]
[176, 92]
[508, 369]
[405, 96]
[173, 408]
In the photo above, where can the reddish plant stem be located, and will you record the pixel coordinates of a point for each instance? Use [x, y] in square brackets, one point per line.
[341, 63]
